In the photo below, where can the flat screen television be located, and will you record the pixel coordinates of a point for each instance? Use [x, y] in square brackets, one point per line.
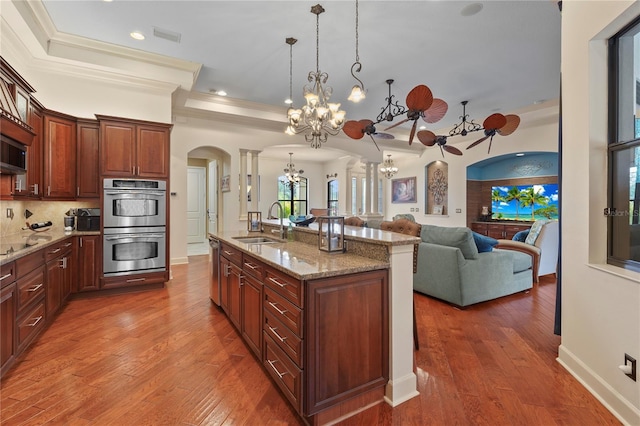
[524, 202]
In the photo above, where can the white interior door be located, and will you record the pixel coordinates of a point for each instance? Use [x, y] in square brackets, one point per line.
[196, 210]
[212, 210]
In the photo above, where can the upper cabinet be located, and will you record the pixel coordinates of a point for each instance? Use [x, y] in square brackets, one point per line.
[59, 156]
[88, 165]
[133, 148]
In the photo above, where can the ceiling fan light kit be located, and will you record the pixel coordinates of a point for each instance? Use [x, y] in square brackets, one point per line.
[357, 92]
[318, 118]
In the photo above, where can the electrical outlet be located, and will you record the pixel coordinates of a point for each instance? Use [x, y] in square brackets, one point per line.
[417, 209]
[412, 209]
[458, 210]
[628, 359]
[9, 212]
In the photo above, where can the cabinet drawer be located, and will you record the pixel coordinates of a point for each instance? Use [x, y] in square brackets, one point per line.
[285, 285]
[231, 253]
[286, 375]
[30, 288]
[57, 250]
[29, 263]
[253, 267]
[7, 273]
[30, 325]
[283, 310]
[284, 338]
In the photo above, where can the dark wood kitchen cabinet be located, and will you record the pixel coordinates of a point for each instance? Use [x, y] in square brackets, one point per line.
[30, 183]
[504, 231]
[89, 263]
[58, 275]
[8, 309]
[88, 165]
[321, 348]
[134, 148]
[230, 281]
[59, 156]
[251, 300]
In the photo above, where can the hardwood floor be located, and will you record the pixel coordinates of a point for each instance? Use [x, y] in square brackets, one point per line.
[169, 357]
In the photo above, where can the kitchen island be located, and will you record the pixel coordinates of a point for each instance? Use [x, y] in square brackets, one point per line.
[333, 330]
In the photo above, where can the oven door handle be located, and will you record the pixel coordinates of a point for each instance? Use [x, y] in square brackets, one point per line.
[129, 236]
[127, 192]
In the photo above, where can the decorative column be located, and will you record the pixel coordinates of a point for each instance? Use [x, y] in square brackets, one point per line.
[243, 184]
[367, 195]
[255, 182]
[374, 189]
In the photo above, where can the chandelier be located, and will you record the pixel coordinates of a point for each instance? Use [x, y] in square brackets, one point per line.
[290, 173]
[388, 168]
[318, 118]
[464, 127]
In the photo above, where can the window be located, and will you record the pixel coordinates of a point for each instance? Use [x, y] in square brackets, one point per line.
[332, 197]
[624, 148]
[359, 195]
[293, 196]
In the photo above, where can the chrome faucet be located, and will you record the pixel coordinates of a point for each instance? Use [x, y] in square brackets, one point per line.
[280, 214]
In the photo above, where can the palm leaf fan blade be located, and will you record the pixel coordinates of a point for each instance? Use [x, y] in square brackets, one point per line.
[353, 129]
[427, 137]
[494, 121]
[436, 111]
[419, 98]
[513, 121]
[397, 124]
[452, 150]
[478, 141]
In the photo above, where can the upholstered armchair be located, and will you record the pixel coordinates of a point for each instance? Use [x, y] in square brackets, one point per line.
[354, 221]
[541, 244]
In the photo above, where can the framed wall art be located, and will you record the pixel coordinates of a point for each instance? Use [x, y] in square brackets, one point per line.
[403, 190]
[225, 184]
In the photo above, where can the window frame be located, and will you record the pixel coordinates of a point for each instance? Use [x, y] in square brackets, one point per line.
[615, 145]
[300, 197]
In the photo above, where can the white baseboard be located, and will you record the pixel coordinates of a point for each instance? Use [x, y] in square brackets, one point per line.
[179, 260]
[621, 408]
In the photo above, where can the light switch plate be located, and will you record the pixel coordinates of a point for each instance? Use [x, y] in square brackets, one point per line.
[458, 210]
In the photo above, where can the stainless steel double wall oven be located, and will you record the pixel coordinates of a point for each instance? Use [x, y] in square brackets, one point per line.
[134, 219]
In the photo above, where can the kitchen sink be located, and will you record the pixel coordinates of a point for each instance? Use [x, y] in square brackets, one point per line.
[257, 240]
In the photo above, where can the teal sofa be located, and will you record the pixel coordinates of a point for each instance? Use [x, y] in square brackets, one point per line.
[450, 268]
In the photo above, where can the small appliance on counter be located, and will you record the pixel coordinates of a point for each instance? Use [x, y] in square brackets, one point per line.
[88, 220]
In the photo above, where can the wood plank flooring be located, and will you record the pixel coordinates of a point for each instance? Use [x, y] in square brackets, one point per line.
[169, 357]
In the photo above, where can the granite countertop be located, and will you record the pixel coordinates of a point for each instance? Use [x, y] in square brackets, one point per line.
[300, 260]
[358, 233]
[27, 242]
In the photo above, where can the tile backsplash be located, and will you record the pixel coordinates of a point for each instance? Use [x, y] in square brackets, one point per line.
[42, 212]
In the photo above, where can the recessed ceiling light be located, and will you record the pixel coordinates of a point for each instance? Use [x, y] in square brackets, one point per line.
[471, 9]
[422, 128]
[137, 35]
[538, 102]
[221, 93]
[288, 101]
[520, 154]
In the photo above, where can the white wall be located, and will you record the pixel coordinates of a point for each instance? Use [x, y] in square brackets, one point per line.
[538, 131]
[600, 303]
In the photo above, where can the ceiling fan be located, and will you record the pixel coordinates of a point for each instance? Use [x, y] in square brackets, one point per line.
[503, 125]
[357, 129]
[429, 138]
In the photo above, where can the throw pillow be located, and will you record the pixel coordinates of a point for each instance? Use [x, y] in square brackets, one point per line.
[484, 243]
[459, 237]
[535, 231]
[521, 235]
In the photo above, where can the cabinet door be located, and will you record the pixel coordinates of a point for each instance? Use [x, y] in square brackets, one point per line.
[235, 282]
[88, 165]
[68, 272]
[511, 230]
[7, 327]
[495, 231]
[59, 157]
[89, 263]
[117, 148]
[225, 267]
[30, 184]
[480, 228]
[251, 292]
[55, 277]
[152, 153]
